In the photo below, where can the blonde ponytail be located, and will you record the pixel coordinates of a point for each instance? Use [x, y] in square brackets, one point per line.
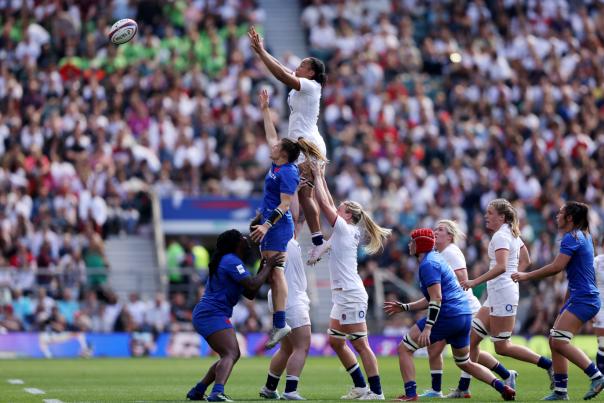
[310, 150]
[376, 234]
[505, 208]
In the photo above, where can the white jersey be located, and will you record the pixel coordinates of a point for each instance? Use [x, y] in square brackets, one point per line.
[503, 239]
[304, 110]
[454, 256]
[599, 269]
[343, 256]
[295, 276]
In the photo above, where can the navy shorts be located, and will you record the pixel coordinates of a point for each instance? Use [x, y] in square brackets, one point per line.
[585, 310]
[455, 331]
[278, 236]
[206, 325]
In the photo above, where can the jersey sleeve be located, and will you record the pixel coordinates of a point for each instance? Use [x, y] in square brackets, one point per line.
[429, 275]
[455, 260]
[237, 271]
[500, 241]
[569, 244]
[308, 87]
[289, 181]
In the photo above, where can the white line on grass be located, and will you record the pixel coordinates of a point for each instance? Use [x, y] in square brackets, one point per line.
[34, 391]
[15, 381]
[52, 401]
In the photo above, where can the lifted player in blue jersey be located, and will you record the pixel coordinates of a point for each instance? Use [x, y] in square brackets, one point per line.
[228, 280]
[583, 302]
[277, 229]
[449, 318]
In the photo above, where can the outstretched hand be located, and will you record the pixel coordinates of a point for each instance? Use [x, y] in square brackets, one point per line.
[264, 99]
[255, 40]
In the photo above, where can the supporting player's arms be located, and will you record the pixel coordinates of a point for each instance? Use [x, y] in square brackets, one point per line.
[251, 285]
[323, 196]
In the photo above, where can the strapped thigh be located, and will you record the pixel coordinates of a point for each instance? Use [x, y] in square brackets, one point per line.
[479, 328]
[410, 343]
[561, 335]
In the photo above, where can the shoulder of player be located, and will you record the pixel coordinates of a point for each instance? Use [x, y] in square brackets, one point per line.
[231, 260]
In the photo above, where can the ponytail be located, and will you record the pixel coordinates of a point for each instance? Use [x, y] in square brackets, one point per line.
[310, 150]
[377, 235]
[505, 208]
[227, 242]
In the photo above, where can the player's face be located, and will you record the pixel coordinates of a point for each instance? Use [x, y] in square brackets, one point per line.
[342, 212]
[561, 219]
[441, 236]
[304, 70]
[493, 220]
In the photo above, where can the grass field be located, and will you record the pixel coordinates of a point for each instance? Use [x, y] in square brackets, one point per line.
[153, 380]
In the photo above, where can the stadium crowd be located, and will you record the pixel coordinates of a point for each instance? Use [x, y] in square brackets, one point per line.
[431, 110]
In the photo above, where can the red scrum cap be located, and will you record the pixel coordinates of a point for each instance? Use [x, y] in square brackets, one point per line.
[424, 239]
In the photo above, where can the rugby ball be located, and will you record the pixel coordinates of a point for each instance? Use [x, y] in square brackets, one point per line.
[123, 31]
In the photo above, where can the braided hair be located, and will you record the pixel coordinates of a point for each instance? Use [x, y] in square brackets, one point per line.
[227, 242]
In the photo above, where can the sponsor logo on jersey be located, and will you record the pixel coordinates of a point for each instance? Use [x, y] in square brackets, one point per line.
[240, 269]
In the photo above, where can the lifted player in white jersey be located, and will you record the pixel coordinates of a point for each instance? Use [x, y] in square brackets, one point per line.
[507, 255]
[447, 235]
[304, 102]
[294, 347]
[348, 314]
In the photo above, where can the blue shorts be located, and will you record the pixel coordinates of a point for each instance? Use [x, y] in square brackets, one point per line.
[455, 331]
[585, 310]
[278, 235]
[206, 325]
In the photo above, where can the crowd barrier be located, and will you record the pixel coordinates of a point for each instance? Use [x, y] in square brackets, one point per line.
[71, 344]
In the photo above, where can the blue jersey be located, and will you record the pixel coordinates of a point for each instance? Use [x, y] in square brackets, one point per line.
[580, 269]
[223, 289]
[433, 269]
[279, 179]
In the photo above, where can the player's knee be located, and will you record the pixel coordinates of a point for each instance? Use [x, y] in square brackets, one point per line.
[408, 345]
[559, 338]
[336, 339]
[463, 361]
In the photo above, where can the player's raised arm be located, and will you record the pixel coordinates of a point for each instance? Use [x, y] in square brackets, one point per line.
[269, 127]
[279, 71]
[323, 196]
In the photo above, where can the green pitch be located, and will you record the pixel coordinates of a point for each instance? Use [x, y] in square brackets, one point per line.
[153, 380]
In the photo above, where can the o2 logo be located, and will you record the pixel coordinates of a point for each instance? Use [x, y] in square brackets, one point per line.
[509, 307]
[361, 314]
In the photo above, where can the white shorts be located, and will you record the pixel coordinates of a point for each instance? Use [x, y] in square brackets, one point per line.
[317, 140]
[599, 319]
[349, 307]
[295, 316]
[503, 302]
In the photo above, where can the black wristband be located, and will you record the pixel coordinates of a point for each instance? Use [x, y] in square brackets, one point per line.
[433, 311]
[274, 217]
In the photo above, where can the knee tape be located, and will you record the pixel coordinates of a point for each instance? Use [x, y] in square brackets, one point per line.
[561, 335]
[410, 344]
[503, 336]
[356, 336]
[464, 359]
[601, 343]
[479, 328]
[337, 334]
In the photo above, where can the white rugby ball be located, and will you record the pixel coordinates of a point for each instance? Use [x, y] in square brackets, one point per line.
[123, 31]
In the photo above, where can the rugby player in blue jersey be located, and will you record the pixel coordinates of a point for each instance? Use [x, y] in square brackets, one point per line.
[449, 318]
[583, 298]
[227, 281]
[277, 226]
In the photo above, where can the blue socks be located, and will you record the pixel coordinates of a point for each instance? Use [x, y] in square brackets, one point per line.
[544, 363]
[279, 319]
[498, 385]
[201, 388]
[317, 238]
[500, 370]
[560, 384]
[357, 376]
[600, 360]
[375, 385]
[410, 389]
[592, 372]
[272, 381]
[218, 388]
[291, 383]
[437, 379]
[464, 382]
